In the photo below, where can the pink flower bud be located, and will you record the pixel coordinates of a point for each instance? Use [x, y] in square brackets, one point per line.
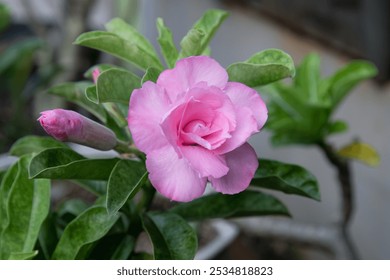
[66, 125]
[95, 74]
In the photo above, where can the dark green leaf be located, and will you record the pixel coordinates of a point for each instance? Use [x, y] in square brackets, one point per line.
[75, 93]
[125, 180]
[129, 33]
[34, 144]
[172, 237]
[262, 68]
[59, 163]
[25, 205]
[23, 256]
[5, 17]
[48, 236]
[248, 203]
[151, 74]
[88, 227]
[167, 45]
[288, 178]
[115, 45]
[94, 186]
[114, 85]
[124, 249]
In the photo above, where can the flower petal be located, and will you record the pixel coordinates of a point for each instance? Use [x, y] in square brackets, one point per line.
[148, 105]
[242, 163]
[205, 161]
[190, 71]
[244, 96]
[173, 177]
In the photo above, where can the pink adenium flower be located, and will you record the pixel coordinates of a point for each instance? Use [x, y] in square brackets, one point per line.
[66, 125]
[193, 126]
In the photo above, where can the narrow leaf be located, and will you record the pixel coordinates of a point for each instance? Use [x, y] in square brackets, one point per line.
[88, 227]
[248, 203]
[115, 45]
[34, 144]
[191, 44]
[151, 74]
[59, 163]
[125, 180]
[362, 152]
[308, 77]
[262, 68]
[167, 45]
[172, 237]
[288, 178]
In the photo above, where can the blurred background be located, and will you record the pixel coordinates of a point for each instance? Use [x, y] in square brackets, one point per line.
[36, 52]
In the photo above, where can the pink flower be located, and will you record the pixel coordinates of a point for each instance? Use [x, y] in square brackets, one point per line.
[193, 126]
[66, 125]
[95, 75]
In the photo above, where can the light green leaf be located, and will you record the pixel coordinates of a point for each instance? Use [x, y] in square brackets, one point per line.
[25, 205]
[75, 93]
[125, 180]
[172, 237]
[151, 74]
[34, 144]
[191, 44]
[167, 45]
[88, 227]
[362, 152]
[307, 78]
[59, 163]
[288, 178]
[23, 256]
[248, 203]
[114, 85]
[345, 79]
[262, 68]
[129, 33]
[115, 45]
[337, 126]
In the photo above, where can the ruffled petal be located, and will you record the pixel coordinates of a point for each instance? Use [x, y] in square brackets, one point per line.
[244, 96]
[148, 105]
[173, 177]
[190, 71]
[242, 163]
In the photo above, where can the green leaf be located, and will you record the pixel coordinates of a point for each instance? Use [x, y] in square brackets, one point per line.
[25, 205]
[191, 44]
[125, 180]
[362, 152]
[167, 45]
[23, 256]
[5, 17]
[113, 247]
[124, 248]
[129, 33]
[91, 225]
[60, 163]
[114, 85]
[151, 74]
[48, 236]
[342, 82]
[172, 237]
[75, 93]
[34, 144]
[307, 78]
[262, 68]
[101, 67]
[288, 178]
[93, 186]
[337, 127]
[248, 203]
[115, 45]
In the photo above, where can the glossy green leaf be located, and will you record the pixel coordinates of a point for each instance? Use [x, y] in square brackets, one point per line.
[25, 205]
[344, 80]
[34, 144]
[114, 85]
[287, 178]
[88, 227]
[5, 17]
[362, 152]
[125, 180]
[191, 44]
[75, 93]
[248, 203]
[129, 33]
[59, 163]
[151, 74]
[172, 237]
[167, 45]
[117, 46]
[23, 256]
[262, 68]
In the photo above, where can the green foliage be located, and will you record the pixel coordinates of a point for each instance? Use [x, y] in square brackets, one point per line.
[5, 17]
[34, 144]
[167, 45]
[301, 113]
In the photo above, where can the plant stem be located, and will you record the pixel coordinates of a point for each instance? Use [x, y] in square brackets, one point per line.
[344, 175]
[125, 148]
